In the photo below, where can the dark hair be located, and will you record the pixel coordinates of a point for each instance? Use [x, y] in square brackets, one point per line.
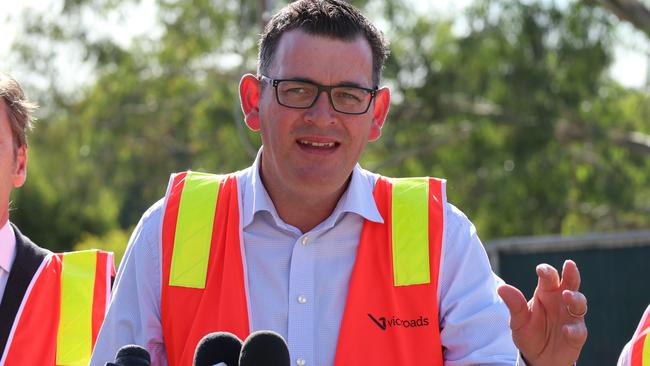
[19, 109]
[330, 18]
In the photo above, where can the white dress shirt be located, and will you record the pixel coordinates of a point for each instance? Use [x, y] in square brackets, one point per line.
[284, 265]
[7, 254]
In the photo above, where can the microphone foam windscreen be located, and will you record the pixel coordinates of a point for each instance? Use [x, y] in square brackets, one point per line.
[218, 347]
[132, 355]
[264, 348]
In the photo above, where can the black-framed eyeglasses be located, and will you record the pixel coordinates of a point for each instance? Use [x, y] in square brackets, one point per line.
[301, 94]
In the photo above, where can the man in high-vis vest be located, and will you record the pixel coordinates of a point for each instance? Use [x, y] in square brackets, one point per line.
[51, 305]
[637, 351]
[350, 267]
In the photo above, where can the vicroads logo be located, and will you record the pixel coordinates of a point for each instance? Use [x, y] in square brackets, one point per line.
[394, 321]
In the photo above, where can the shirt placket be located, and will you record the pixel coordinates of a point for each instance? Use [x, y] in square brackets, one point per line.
[301, 302]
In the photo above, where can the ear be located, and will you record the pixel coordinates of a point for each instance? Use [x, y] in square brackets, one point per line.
[249, 95]
[19, 173]
[379, 112]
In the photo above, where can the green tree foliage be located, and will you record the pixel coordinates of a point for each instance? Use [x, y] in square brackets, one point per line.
[153, 110]
[519, 114]
[512, 104]
[113, 241]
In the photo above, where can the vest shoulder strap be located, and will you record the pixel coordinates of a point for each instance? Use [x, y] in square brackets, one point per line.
[392, 298]
[201, 258]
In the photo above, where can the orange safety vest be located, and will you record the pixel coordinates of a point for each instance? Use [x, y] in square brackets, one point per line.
[391, 312]
[641, 343]
[61, 313]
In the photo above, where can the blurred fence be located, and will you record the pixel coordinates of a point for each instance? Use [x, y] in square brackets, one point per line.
[615, 272]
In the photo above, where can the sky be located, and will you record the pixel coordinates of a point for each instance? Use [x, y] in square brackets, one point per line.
[630, 66]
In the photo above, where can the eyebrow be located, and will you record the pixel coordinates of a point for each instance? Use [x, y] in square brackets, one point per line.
[309, 80]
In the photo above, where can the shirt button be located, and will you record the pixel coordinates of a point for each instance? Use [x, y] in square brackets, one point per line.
[305, 240]
[302, 299]
[301, 362]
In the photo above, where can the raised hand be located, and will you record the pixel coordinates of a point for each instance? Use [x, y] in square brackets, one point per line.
[550, 329]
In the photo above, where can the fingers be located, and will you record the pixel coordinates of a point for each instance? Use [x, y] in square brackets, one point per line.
[517, 305]
[547, 277]
[576, 304]
[570, 275]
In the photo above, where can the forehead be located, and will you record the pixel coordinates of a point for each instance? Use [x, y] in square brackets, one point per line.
[323, 59]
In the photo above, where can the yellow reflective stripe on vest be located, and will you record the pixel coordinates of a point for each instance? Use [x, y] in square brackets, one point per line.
[193, 236]
[410, 231]
[74, 338]
[646, 351]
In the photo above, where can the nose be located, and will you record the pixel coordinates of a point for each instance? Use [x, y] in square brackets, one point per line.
[322, 111]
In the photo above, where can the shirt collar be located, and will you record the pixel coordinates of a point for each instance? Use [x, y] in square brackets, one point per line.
[358, 198]
[255, 198]
[7, 247]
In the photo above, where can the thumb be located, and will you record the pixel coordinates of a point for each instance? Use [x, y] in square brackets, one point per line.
[517, 305]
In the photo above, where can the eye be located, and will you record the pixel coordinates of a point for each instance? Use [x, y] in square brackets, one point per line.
[296, 89]
[350, 95]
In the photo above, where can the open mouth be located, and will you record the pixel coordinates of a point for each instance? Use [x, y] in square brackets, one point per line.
[318, 144]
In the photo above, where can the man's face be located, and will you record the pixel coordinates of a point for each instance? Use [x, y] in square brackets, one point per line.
[12, 166]
[316, 148]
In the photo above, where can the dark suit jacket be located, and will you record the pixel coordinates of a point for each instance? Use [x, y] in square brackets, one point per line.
[29, 257]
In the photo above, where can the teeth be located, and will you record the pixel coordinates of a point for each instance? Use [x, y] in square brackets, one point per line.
[317, 144]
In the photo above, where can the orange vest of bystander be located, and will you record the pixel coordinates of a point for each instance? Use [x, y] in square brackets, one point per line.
[61, 313]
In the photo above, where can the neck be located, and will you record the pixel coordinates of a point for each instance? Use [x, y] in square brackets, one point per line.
[306, 214]
[304, 209]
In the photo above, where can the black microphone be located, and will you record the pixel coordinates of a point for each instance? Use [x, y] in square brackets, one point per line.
[131, 355]
[264, 348]
[218, 347]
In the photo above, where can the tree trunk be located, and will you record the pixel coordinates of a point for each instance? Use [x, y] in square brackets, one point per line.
[632, 11]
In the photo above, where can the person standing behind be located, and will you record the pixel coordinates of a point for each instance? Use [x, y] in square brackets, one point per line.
[350, 267]
[637, 351]
[51, 305]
